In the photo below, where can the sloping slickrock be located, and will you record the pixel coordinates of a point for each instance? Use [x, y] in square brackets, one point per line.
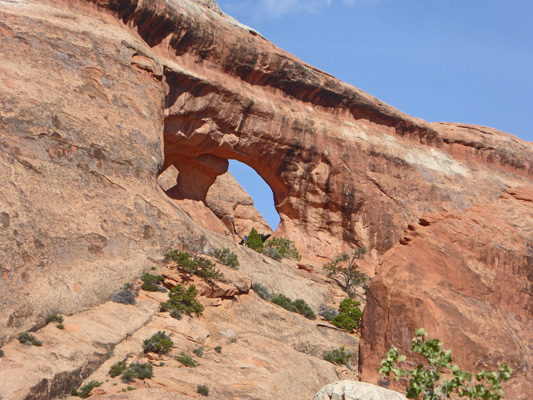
[350, 390]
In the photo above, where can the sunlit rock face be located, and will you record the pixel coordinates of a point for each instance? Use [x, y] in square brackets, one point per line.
[99, 97]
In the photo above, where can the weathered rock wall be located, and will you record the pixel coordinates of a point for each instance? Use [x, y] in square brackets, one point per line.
[99, 97]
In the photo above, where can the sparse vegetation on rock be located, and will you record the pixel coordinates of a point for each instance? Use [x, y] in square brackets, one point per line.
[338, 356]
[203, 390]
[138, 370]
[254, 241]
[218, 349]
[181, 300]
[283, 247]
[199, 352]
[186, 360]
[151, 282]
[298, 306]
[125, 295]
[159, 343]
[54, 318]
[29, 339]
[344, 270]
[117, 368]
[262, 291]
[426, 380]
[194, 265]
[1, 353]
[226, 257]
[349, 316]
[84, 391]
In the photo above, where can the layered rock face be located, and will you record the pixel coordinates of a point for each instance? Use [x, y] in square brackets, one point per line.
[100, 97]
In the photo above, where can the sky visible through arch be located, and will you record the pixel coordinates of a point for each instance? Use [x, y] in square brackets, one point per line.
[468, 61]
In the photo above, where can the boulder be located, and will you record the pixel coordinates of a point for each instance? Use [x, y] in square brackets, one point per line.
[351, 390]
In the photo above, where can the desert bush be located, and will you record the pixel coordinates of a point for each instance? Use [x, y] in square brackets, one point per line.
[60, 326]
[345, 271]
[203, 390]
[349, 317]
[273, 253]
[426, 381]
[54, 318]
[337, 356]
[2, 353]
[125, 295]
[298, 306]
[328, 312]
[138, 371]
[226, 257]
[254, 241]
[195, 265]
[159, 343]
[199, 352]
[84, 391]
[261, 291]
[186, 360]
[284, 247]
[28, 339]
[182, 301]
[218, 349]
[118, 368]
[151, 282]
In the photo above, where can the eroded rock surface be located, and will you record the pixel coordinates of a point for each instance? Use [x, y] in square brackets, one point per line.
[351, 390]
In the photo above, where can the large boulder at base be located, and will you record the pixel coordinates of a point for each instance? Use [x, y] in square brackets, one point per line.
[351, 390]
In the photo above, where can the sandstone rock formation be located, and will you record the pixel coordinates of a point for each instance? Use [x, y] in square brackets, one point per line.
[350, 390]
[98, 97]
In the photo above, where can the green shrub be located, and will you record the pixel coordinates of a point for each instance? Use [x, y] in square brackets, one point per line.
[29, 339]
[138, 371]
[2, 353]
[84, 391]
[344, 270]
[150, 282]
[54, 318]
[159, 343]
[195, 265]
[337, 356]
[284, 247]
[218, 349]
[182, 301]
[226, 257]
[186, 360]
[199, 352]
[261, 291]
[254, 241]
[298, 306]
[60, 326]
[272, 253]
[203, 390]
[349, 317]
[125, 295]
[117, 368]
[425, 381]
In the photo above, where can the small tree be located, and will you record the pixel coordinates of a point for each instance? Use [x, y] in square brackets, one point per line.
[284, 247]
[349, 317]
[426, 381]
[195, 265]
[254, 241]
[345, 271]
[181, 300]
[226, 257]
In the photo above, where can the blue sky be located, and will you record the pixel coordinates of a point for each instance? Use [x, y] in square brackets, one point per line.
[468, 61]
